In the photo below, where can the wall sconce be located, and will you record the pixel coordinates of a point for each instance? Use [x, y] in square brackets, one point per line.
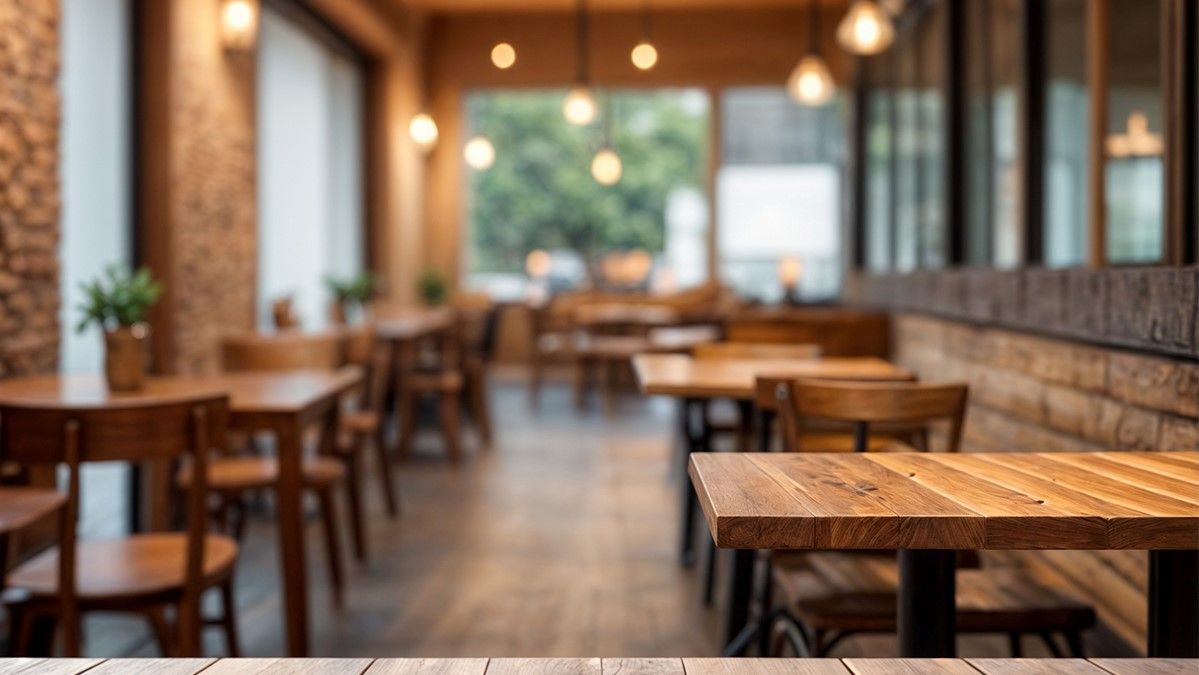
[423, 131]
[239, 24]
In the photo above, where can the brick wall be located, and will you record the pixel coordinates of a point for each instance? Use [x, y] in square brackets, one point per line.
[29, 206]
[1031, 392]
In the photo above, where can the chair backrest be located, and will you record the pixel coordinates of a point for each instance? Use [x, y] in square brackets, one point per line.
[289, 350]
[283, 314]
[155, 430]
[363, 349]
[897, 404]
[838, 331]
[754, 350]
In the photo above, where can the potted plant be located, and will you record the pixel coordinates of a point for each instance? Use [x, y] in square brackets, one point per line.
[432, 288]
[350, 294]
[117, 303]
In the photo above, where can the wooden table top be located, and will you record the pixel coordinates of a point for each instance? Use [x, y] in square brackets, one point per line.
[625, 313]
[20, 507]
[969, 501]
[683, 376]
[410, 323]
[607, 666]
[279, 391]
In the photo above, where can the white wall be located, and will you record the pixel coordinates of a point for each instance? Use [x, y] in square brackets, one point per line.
[309, 168]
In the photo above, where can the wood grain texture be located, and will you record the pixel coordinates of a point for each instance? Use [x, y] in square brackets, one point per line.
[909, 667]
[971, 501]
[46, 666]
[1148, 666]
[288, 667]
[544, 667]
[151, 667]
[764, 667]
[1035, 666]
[646, 666]
[428, 667]
[684, 376]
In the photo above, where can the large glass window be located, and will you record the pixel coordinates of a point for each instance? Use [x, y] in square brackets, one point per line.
[1135, 193]
[930, 110]
[879, 143]
[540, 193]
[1006, 235]
[779, 192]
[908, 153]
[310, 194]
[1066, 132]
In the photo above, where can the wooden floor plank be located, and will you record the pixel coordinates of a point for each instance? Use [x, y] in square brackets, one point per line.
[47, 666]
[909, 667]
[642, 666]
[428, 667]
[161, 666]
[544, 667]
[1148, 666]
[1011, 513]
[705, 666]
[288, 667]
[1035, 666]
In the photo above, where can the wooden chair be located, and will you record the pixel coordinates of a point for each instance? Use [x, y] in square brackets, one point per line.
[832, 595]
[141, 573]
[435, 372]
[236, 475]
[364, 424]
[478, 320]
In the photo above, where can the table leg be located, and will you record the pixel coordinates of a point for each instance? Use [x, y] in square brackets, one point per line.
[289, 439]
[738, 634]
[1174, 604]
[687, 525]
[927, 612]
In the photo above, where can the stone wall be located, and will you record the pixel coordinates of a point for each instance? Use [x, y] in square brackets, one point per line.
[1031, 392]
[29, 191]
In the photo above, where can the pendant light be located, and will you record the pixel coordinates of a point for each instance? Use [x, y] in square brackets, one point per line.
[811, 83]
[606, 166]
[644, 54]
[479, 153]
[503, 55]
[579, 107]
[866, 29]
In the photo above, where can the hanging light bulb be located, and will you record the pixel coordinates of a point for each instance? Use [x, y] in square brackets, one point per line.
[606, 167]
[239, 24]
[579, 107]
[866, 29]
[811, 83]
[644, 55]
[503, 56]
[479, 153]
[423, 131]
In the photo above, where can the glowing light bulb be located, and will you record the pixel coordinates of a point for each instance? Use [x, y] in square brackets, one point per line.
[606, 167]
[811, 83]
[239, 23]
[503, 55]
[789, 271]
[644, 55]
[579, 107]
[538, 264]
[423, 131]
[866, 29]
[479, 153]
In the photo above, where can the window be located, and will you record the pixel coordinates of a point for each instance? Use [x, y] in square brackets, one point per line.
[1135, 191]
[1066, 133]
[907, 151]
[540, 195]
[310, 112]
[779, 192]
[1006, 234]
[930, 124]
[879, 145]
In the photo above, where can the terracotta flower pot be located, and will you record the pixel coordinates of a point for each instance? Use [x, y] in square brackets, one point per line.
[125, 357]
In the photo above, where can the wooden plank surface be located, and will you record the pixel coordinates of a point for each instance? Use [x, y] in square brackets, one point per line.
[681, 375]
[151, 667]
[909, 667]
[544, 667]
[428, 667]
[46, 666]
[642, 667]
[288, 667]
[764, 667]
[1035, 666]
[1148, 666]
[1075, 501]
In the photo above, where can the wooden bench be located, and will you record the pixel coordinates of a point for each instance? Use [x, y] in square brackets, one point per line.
[609, 666]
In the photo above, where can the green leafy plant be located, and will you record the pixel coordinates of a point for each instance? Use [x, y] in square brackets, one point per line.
[118, 298]
[433, 287]
[356, 290]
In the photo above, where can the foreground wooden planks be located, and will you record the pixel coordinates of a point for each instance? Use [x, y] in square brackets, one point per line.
[636, 666]
[1094, 501]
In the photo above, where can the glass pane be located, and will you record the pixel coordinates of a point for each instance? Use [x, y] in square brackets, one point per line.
[780, 193]
[907, 150]
[1007, 235]
[977, 133]
[931, 111]
[878, 146]
[540, 195]
[1134, 143]
[1066, 132]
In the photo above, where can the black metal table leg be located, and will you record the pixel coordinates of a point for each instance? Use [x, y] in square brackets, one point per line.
[1174, 604]
[736, 611]
[689, 504]
[927, 614]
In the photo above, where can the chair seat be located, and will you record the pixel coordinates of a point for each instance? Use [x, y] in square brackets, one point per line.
[228, 474]
[135, 566]
[360, 421]
[440, 381]
[858, 593]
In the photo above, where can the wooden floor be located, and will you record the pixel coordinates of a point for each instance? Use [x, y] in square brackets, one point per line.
[561, 541]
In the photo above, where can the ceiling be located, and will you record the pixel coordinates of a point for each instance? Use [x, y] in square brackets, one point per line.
[563, 5]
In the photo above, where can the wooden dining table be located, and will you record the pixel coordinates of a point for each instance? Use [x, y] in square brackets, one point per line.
[696, 381]
[930, 505]
[284, 403]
